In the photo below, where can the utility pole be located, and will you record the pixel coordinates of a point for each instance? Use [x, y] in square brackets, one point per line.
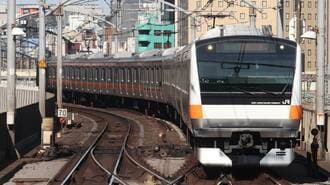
[253, 17]
[59, 14]
[279, 19]
[42, 61]
[11, 71]
[118, 11]
[298, 21]
[320, 63]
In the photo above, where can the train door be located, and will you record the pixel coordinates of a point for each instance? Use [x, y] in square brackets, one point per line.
[102, 80]
[155, 71]
[126, 80]
[121, 80]
[91, 79]
[71, 78]
[83, 82]
[139, 78]
[146, 84]
[76, 78]
[134, 84]
[107, 79]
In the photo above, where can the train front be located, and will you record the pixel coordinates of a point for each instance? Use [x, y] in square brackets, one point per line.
[245, 100]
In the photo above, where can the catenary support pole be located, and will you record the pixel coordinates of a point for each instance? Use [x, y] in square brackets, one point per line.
[320, 64]
[59, 56]
[279, 19]
[11, 70]
[42, 60]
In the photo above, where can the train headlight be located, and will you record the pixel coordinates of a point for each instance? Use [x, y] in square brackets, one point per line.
[282, 47]
[210, 47]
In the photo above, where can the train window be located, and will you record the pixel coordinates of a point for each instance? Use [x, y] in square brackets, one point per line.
[65, 73]
[151, 75]
[90, 73]
[128, 72]
[156, 75]
[135, 75]
[77, 73]
[109, 74]
[96, 74]
[82, 74]
[146, 72]
[102, 74]
[116, 75]
[72, 69]
[137, 78]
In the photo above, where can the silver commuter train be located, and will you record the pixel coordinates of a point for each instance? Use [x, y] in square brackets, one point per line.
[237, 91]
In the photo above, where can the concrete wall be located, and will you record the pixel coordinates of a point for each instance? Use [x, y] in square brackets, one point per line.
[27, 130]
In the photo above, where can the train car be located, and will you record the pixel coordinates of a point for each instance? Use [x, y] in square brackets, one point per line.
[237, 91]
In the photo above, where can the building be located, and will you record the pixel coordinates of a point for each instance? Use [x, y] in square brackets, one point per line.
[23, 9]
[3, 14]
[153, 35]
[308, 17]
[227, 12]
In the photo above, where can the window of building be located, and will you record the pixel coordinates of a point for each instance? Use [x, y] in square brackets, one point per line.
[264, 15]
[143, 43]
[287, 16]
[287, 3]
[309, 64]
[309, 52]
[309, 16]
[167, 45]
[158, 45]
[309, 4]
[220, 3]
[157, 32]
[144, 32]
[287, 28]
[242, 4]
[264, 4]
[242, 15]
[198, 4]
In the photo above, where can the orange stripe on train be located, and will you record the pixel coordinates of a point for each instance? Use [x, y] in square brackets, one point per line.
[296, 112]
[195, 111]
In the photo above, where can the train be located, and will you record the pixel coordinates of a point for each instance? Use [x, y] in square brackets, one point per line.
[236, 91]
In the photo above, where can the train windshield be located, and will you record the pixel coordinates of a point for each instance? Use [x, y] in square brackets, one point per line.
[246, 64]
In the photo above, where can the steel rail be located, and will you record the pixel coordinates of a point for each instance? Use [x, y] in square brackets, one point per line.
[127, 153]
[69, 176]
[105, 170]
[120, 155]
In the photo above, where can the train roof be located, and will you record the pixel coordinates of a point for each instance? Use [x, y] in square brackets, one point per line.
[235, 30]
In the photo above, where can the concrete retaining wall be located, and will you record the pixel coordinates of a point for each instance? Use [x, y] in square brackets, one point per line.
[27, 123]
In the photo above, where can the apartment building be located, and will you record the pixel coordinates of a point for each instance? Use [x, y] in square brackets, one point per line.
[308, 17]
[228, 12]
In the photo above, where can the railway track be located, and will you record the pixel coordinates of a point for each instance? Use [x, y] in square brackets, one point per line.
[108, 156]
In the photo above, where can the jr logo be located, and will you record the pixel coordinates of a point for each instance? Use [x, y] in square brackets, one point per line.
[286, 102]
